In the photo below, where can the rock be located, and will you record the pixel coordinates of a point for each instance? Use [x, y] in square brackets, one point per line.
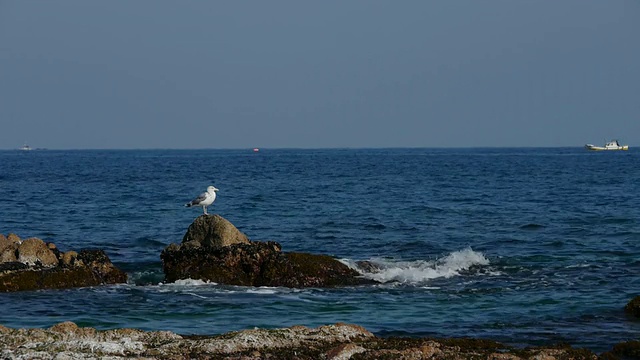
[9, 254]
[34, 265]
[34, 251]
[624, 350]
[14, 238]
[256, 264]
[65, 327]
[345, 351]
[68, 258]
[214, 231]
[368, 266]
[203, 256]
[8, 247]
[4, 243]
[339, 341]
[633, 307]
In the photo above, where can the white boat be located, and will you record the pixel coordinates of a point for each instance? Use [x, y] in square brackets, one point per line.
[610, 145]
[25, 147]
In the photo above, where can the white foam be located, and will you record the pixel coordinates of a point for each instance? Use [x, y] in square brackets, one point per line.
[419, 271]
[263, 290]
[196, 295]
[191, 282]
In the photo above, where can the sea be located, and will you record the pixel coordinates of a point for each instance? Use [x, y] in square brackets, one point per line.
[526, 246]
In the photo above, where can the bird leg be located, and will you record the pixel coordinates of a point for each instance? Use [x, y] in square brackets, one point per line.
[205, 210]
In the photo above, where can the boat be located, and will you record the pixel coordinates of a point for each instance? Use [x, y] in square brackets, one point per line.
[25, 147]
[610, 145]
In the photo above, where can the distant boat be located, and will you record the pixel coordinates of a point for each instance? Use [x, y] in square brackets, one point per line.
[256, 149]
[610, 145]
[25, 147]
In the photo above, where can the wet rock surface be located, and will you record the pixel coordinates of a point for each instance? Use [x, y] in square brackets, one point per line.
[32, 264]
[339, 341]
[633, 307]
[250, 263]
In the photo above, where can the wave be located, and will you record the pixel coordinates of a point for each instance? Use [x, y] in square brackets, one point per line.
[147, 277]
[419, 271]
[531, 226]
[190, 282]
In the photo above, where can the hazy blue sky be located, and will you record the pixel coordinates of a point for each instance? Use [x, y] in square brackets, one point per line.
[240, 74]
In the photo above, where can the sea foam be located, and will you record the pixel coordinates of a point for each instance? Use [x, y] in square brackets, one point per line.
[419, 271]
[191, 282]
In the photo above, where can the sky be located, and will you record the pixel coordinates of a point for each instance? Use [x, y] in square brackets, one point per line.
[154, 74]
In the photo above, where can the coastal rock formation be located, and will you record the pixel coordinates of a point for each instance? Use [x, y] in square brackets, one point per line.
[340, 341]
[34, 251]
[633, 307]
[203, 255]
[213, 231]
[33, 264]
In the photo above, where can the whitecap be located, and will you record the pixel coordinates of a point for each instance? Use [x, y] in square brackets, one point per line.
[419, 271]
[262, 290]
[190, 282]
[196, 295]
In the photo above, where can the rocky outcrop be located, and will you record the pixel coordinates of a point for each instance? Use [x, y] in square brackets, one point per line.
[339, 341]
[633, 307]
[624, 350]
[33, 264]
[213, 231]
[34, 251]
[248, 263]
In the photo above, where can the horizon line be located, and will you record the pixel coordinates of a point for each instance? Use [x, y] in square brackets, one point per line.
[300, 148]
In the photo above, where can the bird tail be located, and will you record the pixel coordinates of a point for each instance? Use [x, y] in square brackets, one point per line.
[188, 204]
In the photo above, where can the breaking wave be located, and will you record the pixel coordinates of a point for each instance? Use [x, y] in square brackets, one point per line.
[419, 271]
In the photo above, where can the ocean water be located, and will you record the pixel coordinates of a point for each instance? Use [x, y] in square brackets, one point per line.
[523, 246]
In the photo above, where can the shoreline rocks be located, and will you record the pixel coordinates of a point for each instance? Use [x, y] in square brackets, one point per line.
[633, 307]
[339, 341]
[33, 264]
[214, 250]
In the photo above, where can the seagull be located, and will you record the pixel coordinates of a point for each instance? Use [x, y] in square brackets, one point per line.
[205, 199]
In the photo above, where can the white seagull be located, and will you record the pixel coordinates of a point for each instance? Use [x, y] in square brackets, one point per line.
[205, 199]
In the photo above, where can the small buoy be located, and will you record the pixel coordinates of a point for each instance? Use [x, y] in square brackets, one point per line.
[256, 149]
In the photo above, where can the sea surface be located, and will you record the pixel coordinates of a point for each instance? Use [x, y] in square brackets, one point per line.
[525, 246]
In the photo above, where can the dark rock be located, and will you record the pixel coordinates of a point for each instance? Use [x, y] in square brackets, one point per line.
[213, 231]
[624, 350]
[256, 264]
[13, 265]
[42, 266]
[633, 307]
[252, 263]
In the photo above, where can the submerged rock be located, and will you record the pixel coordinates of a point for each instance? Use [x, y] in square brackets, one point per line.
[250, 263]
[340, 341]
[33, 264]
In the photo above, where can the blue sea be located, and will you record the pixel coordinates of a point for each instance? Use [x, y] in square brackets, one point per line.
[526, 246]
